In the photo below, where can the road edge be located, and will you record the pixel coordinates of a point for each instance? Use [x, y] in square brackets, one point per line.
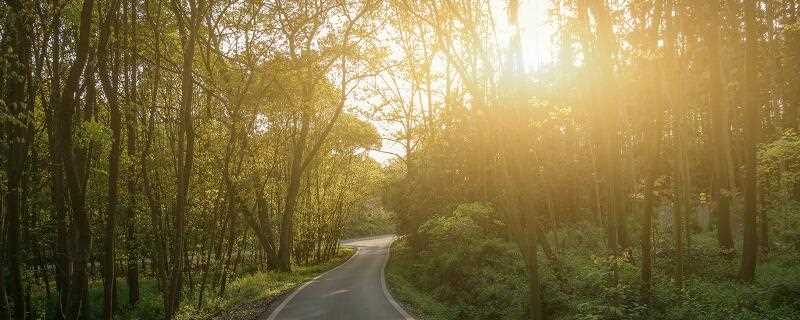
[386, 293]
[288, 299]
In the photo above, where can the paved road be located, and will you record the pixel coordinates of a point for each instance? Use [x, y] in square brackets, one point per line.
[354, 290]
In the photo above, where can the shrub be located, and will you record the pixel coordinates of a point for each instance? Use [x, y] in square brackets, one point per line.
[474, 274]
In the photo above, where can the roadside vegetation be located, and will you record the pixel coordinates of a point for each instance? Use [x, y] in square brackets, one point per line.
[470, 271]
[249, 293]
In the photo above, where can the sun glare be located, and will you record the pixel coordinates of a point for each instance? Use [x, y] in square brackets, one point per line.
[538, 30]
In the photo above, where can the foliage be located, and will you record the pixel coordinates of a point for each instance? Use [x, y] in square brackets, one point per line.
[246, 289]
[260, 286]
[779, 166]
[785, 230]
[123, 147]
[463, 274]
[449, 281]
[372, 219]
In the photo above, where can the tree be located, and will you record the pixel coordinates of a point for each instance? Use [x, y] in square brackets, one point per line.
[77, 283]
[304, 148]
[16, 128]
[751, 132]
[722, 182]
[188, 28]
[109, 79]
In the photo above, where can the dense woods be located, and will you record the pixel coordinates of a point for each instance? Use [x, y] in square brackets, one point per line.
[170, 146]
[647, 170]
[644, 164]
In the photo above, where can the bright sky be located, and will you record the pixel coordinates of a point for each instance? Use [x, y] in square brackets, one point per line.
[538, 30]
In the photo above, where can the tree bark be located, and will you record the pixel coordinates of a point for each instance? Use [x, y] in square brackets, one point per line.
[109, 79]
[57, 188]
[292, 192]
[652, 140]
[78, 295]
[609, 139]
[751, 128]
[720, 128]
[532, 270]
[4, 309]
[15, 134]
[673, 92]
[131, 241]
[185, 155]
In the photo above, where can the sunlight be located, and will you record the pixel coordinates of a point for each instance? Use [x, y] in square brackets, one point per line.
[538, 30]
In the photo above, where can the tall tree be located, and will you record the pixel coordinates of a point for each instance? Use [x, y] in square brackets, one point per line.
[652, 140]
[188, 28]
[314, 68]
[109, 79]
[78, 303]
[752, 125]
[608, 111]
[722, 182]
[16, 84]
[132, 99]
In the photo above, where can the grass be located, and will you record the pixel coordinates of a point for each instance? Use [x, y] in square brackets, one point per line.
[261, 286]
[242, 292]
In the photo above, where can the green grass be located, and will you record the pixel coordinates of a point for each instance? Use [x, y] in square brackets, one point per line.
[241, 291]
[260, 286]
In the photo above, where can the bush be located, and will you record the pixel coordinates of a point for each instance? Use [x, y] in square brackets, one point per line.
[470, 273]
[785, 227]
[779, 168]
[467, 272]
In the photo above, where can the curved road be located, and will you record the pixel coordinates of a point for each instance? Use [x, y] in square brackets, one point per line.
[354, 290]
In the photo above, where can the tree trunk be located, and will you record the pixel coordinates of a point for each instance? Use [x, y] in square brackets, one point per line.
[262, 228]
[109, 79]
[649, 203]
[721, 183]
[672, 93]
[751, 128]
[763, 228]
[4, 308]
[287, 221]
[57, 188]
[131, 241]
[609, 139]
[15, 94]
[78, 295]
[158, 263]
[532, 271]
[185, 152]
[652, 139]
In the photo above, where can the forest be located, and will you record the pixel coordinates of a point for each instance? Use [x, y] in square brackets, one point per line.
[537, 159]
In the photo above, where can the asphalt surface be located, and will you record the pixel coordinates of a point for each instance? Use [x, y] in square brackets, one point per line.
[354, 290]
